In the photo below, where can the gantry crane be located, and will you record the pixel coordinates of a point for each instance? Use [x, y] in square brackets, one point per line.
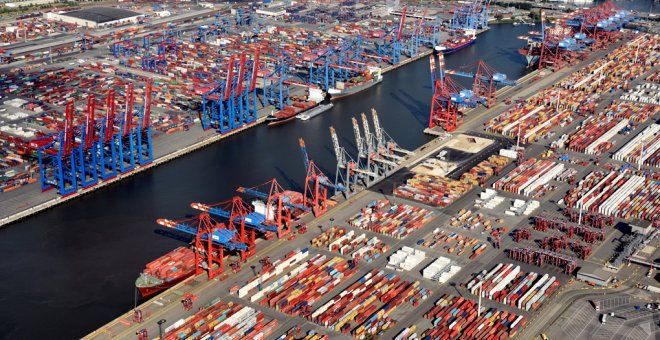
[278, 205]
[240, 215]
[316, 184]
[346, 173]
[86, 162]
[126, 141]
[445, 112]
[56, 159]
[210, 241]
[390, 47]
[486, 80]
[108, 140]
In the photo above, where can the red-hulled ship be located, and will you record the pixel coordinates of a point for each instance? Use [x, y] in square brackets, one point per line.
[166, 271]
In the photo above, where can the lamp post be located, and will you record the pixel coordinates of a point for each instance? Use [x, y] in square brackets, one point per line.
[160, 328]
[332, 220]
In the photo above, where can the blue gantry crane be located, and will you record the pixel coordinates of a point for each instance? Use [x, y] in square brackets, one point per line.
[486, 80]
[56, 159]
[390, 47]
[471, 17]
[231, 103]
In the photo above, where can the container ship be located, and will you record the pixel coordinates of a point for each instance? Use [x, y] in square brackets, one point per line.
[309, 105]
[453, 45]
[166, 271]
[358, 84]
[315, 111]
[532, 51]
[289, 112]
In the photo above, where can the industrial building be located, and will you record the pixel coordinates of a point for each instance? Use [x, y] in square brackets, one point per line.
[97, 17]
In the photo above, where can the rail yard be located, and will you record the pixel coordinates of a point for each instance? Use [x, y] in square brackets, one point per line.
[531, 213]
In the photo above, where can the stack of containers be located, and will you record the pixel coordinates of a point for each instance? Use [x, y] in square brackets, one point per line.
[466, 219]
[506, 284]
[616, 194]
[328, 236]
[440, 270]
[359, 247]
[648, 140]
[398, 221]
[455, 317]
[439, 238]
[485, 170]
[220, 320]
[310, 335]
[368, 303]
[278, 268]
[406, 258]
[435, 190]
[407, 333]
[305, 284]
[530, 177]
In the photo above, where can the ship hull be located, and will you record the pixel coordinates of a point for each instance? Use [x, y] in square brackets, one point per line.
[355, 89]
[454, 49]
[149, 291]
[315, 112]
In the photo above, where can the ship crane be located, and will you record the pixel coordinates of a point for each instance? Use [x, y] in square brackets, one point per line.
[486, 80]
[211, 239]
[277, 206]
[346, 174]
[316, 184]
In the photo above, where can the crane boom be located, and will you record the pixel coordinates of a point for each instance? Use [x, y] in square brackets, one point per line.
[403, 20]
[241, 72]
[148, 94]
[255, 70]
[341, 161]
[367, 133]
[128, 113]
[285, 199]
[222, 237]
[68, 129]
[109, 116]
[230, 78]
[89, 122]
[358, 138]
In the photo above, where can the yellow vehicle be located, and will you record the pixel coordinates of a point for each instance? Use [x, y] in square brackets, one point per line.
[543, 336]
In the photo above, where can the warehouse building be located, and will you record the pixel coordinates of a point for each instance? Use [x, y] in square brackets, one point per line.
[97, 17]
[594, 274]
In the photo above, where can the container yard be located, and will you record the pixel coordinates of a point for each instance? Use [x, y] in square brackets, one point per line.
[454, 316]
[384, 237]
[454, 243]
[506, 284]
[531, 178]
[394, 220]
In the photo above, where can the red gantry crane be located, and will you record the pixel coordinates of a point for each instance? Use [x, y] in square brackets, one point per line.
[210, 240]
